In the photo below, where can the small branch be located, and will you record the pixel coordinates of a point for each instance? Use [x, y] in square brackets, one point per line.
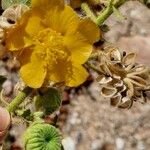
[105, 14]
[19, 99]
[108, 11]
[94, 68]
[88, 11]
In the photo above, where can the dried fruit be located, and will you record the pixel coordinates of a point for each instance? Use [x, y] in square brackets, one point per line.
[123, 80]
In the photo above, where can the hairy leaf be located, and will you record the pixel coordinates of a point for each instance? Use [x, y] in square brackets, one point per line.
[49, 101]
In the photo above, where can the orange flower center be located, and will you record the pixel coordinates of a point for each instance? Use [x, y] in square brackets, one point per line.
[52, 47]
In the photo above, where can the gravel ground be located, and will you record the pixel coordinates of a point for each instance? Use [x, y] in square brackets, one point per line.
[95, 125]
[92, 123]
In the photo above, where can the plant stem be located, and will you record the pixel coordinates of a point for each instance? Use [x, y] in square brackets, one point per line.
[88, 11]
[108, 11]
[105, 14]
[95, 55]
[19, 99]
[93, 67]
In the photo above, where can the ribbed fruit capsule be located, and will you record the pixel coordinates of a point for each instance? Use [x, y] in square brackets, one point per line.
[42, 136]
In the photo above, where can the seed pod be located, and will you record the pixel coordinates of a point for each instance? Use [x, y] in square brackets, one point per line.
[108, 91]
[103, 79]
[123, 80]
[114, 55]
[42, 136]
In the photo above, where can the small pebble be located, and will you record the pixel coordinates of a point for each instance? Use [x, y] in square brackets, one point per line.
[96, 145]
[68, 144]
[141, 146]
[8, 87]
[120, 144]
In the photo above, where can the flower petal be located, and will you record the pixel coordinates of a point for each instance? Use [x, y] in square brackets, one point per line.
[65, 21]
[75, 3]
[33, 74]
[45, 13]
[89, 30]
[78, 46]
[24, 55]
[46, 5]
[78, 76]
[72, 76]
[69, 20]
[59, 71]
[16, 37]
[34, 24]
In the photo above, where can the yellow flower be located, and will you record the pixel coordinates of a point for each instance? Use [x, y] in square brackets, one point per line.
[52, 43]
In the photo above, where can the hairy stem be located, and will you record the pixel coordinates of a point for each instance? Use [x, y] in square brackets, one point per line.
[94, 68]
[19, 99]
[88, 11]
[108, 11]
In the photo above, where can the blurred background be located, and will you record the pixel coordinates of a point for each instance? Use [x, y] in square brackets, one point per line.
[89, 122]
[92, 123]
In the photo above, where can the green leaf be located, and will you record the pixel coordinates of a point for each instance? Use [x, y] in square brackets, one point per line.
[8, 3]
[118, 14]
[49, 101]
[24, 113]
[2, 80]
